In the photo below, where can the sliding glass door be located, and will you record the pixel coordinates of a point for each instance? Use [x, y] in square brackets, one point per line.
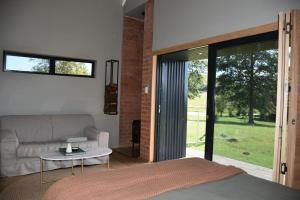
[243, 91]
[235, 124]
[181, 104]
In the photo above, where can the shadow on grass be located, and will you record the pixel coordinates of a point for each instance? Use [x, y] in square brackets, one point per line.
[243, 124]
[195, 144]
[195, 120]
[235, 123]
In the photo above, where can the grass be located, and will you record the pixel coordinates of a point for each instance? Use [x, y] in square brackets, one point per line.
[234, 138]
[198, 104]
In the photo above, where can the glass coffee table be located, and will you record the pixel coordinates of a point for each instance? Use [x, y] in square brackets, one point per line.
[58, 156]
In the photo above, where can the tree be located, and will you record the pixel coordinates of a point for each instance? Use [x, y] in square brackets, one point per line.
[68, 67]
[196, 78]
[61, 67]
[220, 105]
[41, 66]
[247, 77]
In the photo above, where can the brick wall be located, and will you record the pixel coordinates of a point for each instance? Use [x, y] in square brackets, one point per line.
[145, 147]
[131, 77]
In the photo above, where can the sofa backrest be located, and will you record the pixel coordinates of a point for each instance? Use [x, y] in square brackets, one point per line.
[44, 128]
[65, 126]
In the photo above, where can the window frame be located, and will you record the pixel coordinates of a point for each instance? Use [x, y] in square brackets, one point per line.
[52, 60]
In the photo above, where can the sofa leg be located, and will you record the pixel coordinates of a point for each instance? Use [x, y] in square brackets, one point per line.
[108, 162]
[73, 168]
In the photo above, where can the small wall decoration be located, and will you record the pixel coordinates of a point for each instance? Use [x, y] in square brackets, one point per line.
[111, 87]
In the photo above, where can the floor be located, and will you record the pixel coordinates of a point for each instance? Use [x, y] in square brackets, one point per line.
[119, 159]
[251, 169]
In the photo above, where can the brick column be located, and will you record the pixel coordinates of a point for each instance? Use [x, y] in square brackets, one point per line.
[131, 77]
[147, 72]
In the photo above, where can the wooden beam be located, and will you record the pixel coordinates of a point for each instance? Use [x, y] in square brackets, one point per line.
[280, 100]
[221, 38]
[293, 139]
[153, 106]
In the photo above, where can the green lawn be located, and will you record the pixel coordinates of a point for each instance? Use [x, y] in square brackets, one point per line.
[198, 104]
[234, 138]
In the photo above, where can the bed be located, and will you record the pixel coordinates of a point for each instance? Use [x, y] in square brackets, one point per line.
[190, 178]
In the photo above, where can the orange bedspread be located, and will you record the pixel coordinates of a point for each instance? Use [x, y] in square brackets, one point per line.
[140, 182]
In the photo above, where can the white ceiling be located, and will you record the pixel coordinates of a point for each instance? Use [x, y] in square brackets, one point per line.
[134, 8]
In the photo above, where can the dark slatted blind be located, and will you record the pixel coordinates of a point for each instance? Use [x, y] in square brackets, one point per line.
[171, 118]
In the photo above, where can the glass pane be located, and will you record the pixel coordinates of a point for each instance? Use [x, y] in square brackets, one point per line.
[197, 102]
[246, 84]
[27, 64]
[73, 68]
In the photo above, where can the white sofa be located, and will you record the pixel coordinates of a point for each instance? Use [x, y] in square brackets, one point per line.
[23, 138]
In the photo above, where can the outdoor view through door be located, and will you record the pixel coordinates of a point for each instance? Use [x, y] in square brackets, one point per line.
[197, 101]
[231, 103]
[245, 105]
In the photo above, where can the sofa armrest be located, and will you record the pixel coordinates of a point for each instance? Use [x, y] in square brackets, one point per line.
[101, 137]
[8, 145]
[8, 136]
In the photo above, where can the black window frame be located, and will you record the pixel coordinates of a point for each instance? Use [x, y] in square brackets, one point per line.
[52, 60]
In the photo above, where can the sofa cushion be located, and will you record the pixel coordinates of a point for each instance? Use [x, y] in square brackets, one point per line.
[28, 128]
[90, 144]
[30, 150]
[65, 126]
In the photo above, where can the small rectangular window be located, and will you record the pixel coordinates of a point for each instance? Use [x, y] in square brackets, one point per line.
[65, 67]
[21, 63]
[51, 65]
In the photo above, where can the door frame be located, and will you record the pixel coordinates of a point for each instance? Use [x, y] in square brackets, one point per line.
[290, 31]
[202, 42]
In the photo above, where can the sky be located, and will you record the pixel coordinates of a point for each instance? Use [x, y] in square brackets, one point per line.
[20, 63]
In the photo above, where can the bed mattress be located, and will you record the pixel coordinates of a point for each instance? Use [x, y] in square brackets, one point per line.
[190, 178]
[243, 186]
[140, 182]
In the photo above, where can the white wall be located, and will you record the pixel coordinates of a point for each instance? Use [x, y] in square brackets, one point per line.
[181, 21]
[90, 29]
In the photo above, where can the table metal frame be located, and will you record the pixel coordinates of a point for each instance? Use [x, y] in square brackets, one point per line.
[42, 161]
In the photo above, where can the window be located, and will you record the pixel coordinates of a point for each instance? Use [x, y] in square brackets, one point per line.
[65, 67]
[50, 65]
[24, 63]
